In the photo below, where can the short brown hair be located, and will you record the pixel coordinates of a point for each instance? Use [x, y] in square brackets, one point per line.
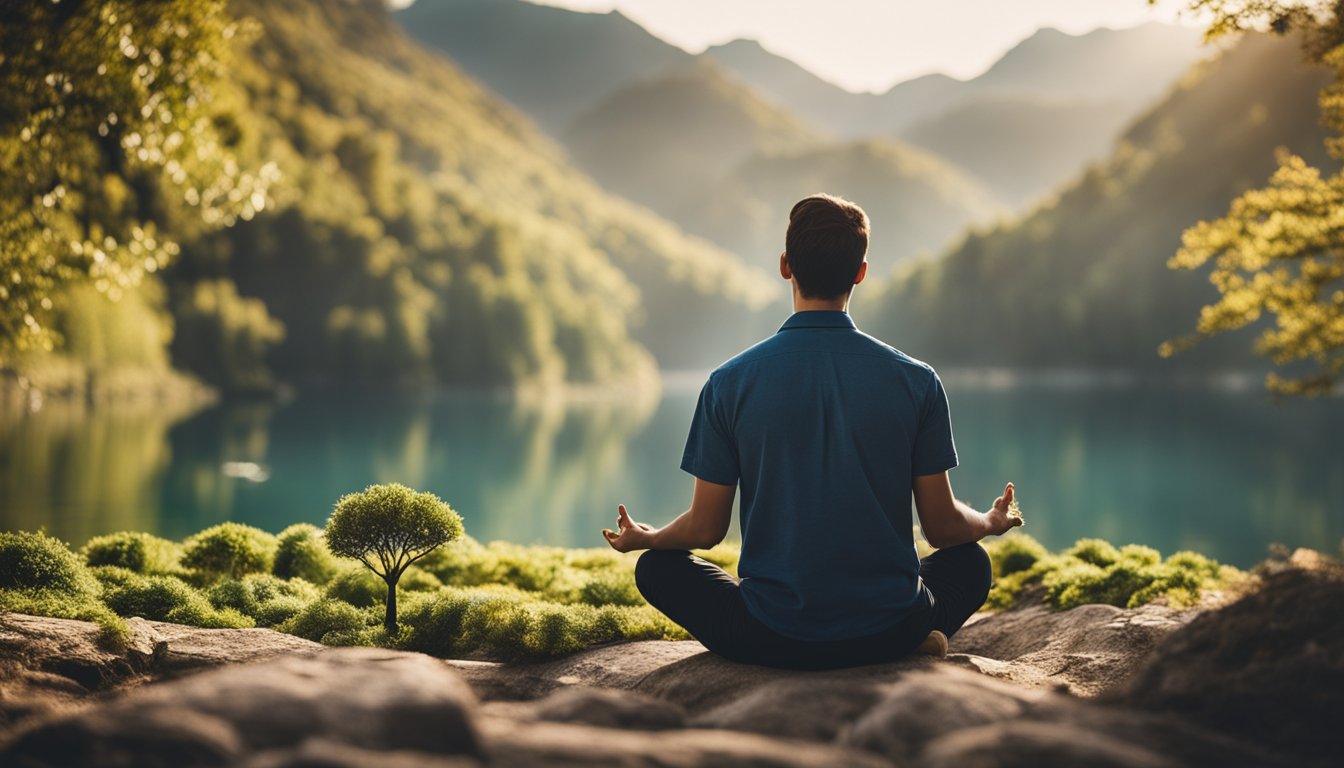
[825, 245]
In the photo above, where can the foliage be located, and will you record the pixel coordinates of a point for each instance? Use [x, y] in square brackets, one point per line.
[113, 631]
[168, 598]
[301, 553]
[1279, 250]
[266, 599]
[387, 528]
[223, 337]
[141, 553]
[323, 618]
[1048, 289]
[229, 549]
[36, 561]
[1095, 571]
[98, 97]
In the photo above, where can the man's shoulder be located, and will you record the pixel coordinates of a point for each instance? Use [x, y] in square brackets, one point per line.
[883, 349]
[856, 343]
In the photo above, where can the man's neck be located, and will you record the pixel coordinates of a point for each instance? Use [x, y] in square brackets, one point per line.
[803, 304]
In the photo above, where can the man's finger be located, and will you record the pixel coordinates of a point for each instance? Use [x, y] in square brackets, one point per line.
[609, 534]
[1008, 493]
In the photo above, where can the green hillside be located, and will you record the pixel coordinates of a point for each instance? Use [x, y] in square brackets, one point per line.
[1022, 148]
[705, 151]
[552, 63]
[1083, 281]
[662, 141]
[420, 233]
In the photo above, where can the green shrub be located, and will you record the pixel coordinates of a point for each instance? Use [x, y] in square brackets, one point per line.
[611, 588]
[138, 552]
[301, 553]
[229, 550]
[168, 598]
[113, 633]
[1014, 553]
[325, 617]
[113, 576]
[38, 561]
[1094, 551]
[267, 599]
[358, 587]
[419, 580]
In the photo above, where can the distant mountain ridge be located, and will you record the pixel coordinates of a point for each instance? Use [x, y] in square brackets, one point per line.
[1083, 280]
[1048, 106]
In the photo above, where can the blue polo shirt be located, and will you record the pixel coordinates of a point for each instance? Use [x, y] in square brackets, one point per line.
[823, 427]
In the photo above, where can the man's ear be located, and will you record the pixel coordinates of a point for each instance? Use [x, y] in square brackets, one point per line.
[862, 273]
[784, 270]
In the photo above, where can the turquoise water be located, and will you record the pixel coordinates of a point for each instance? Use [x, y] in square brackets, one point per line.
[1222, 472]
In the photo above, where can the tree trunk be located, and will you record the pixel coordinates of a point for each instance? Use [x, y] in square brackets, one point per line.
[390, 619]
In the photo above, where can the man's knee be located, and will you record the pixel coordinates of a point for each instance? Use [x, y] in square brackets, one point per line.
[652, 569]
[973, 561]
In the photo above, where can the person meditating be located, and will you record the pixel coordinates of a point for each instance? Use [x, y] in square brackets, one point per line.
[828, 432]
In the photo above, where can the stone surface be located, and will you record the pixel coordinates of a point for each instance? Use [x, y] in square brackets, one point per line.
[324, 753]
[1033, 745]
[609, 709]
[70, 649]
[620, 666]
[1269, 667]
[117, 737]
[190, 649]
[364, 697]
[522, 744]
[1085, 649]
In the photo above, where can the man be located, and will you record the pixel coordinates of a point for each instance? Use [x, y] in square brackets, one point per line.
[829, 432]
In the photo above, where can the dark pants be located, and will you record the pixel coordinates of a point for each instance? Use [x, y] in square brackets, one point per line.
[706, 601]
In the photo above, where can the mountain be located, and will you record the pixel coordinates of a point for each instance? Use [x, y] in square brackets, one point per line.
[706, 151]
[1083, 281]
[662, 141]
[418, 232]
[1022, 147]
[1128, 66]
[550, 62]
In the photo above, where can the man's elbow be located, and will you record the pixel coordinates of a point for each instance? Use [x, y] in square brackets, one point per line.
[939, 539]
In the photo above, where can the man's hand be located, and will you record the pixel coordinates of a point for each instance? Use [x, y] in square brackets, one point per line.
[631, 536]
[1000, 518]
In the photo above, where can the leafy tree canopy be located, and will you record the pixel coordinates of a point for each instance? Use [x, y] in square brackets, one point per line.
[1279, 251]
[96, 93]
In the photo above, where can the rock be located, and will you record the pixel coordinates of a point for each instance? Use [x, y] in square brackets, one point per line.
[323, 753]
[369, 698]
[190, 649]
[814, 710]
[620, 666]
[1086, 649]
[71, 650]
[112, 737]
[1269, 667]
[926, 705]
[609, 709]
[521, 744]
[1032, 745]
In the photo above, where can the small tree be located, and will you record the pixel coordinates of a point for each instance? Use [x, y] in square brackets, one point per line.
[388, 527]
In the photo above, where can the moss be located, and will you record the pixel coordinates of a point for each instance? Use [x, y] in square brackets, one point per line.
[36, 561]
[264, 598]
[301, 553]
[323, 618]
[358, 587]
[1014, 553]
[1094, 551]
[138, 552]
[229, 550]
[168, 598]
[611, 588]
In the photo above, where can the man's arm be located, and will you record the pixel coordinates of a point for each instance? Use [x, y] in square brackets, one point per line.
[700, 527]
[947, 522]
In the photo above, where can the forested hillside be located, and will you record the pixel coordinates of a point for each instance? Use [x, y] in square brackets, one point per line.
[420, 232]
[1084, 281]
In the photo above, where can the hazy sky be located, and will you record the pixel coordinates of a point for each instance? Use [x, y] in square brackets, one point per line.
[871, 44]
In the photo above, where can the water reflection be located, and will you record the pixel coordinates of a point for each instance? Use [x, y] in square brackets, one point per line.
[1221, 472]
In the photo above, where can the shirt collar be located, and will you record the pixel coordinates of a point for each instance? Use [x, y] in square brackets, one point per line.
[818, 318]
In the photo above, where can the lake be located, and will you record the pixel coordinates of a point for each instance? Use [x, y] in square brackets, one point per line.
[1220, 471]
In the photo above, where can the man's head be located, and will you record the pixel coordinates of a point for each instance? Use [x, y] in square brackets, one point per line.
[825, 246]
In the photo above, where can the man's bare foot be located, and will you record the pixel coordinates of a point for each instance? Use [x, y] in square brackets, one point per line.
[934, 645]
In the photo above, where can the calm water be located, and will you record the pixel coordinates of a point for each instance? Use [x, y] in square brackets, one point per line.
[1223, 473]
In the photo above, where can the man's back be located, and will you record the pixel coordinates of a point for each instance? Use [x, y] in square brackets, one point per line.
[823, 428]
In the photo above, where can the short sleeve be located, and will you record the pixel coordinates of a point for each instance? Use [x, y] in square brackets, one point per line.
[711, 451]
[934, 450]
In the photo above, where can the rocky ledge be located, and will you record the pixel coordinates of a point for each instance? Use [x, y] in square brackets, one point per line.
[1259, 681]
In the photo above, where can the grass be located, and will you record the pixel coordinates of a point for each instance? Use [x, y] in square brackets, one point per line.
[467, 599]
